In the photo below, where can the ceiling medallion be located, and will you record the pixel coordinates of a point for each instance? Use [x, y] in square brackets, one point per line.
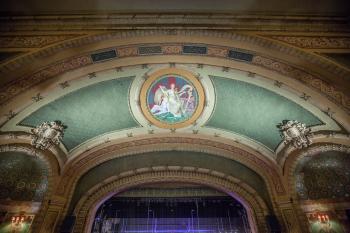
[47, 134]
[172, 98]
[295, 133]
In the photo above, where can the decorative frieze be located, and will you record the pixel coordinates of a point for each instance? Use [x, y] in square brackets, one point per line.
[308, 79]
[16, 87]
[316, 42]
[31, 41]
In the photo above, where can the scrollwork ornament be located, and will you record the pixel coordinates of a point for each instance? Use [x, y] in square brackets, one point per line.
[295, 133]
[47, 134]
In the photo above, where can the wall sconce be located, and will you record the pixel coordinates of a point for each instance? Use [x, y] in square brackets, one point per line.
[323, 218]
[17, 222]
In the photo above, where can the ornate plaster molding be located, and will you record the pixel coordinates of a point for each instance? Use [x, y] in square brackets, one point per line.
[254, 41]
[89, 203]
[32, 41]
[295, 134]
[192, 20]
[329, 91]
[47, 134]
[315, 42]
[18, 86]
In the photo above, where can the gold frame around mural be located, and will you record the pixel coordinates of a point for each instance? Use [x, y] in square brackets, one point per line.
[187, 75]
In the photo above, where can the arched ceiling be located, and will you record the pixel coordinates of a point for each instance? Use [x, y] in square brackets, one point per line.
[106, 106]
[89, 112]
[92, 84]
[88, 71]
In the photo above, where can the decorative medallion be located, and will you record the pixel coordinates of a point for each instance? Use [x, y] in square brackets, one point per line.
[295, 133]
[172, 98]
[47, 134]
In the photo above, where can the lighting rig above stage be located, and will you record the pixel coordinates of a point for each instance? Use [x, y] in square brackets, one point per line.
[171, 215]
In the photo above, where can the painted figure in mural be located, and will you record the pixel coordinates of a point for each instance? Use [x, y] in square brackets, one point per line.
[173, 100]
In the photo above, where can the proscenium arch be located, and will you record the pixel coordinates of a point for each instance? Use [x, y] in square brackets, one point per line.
[53, 175]
[86, 208]
[266, 170]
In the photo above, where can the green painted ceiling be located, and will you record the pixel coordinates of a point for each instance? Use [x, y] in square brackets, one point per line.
[89, 111]
[170, 158]
[254, 111]
[103, 107]
[22, 177]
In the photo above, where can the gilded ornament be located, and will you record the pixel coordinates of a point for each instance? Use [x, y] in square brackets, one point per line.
[47, 134]
[295, 133]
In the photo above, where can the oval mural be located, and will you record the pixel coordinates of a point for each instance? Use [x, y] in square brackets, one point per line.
[172, 98]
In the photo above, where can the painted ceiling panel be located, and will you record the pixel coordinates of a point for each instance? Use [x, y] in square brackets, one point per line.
[22, 177]
[254, 112]
[89, 111]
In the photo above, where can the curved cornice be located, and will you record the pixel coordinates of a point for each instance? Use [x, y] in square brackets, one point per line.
[246, 21]
[89, 203]
[318, 68]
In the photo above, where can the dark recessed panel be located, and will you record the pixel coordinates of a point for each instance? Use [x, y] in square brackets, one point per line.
[192, 49]
[239, 55]
[105, 55]
[150, 50]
